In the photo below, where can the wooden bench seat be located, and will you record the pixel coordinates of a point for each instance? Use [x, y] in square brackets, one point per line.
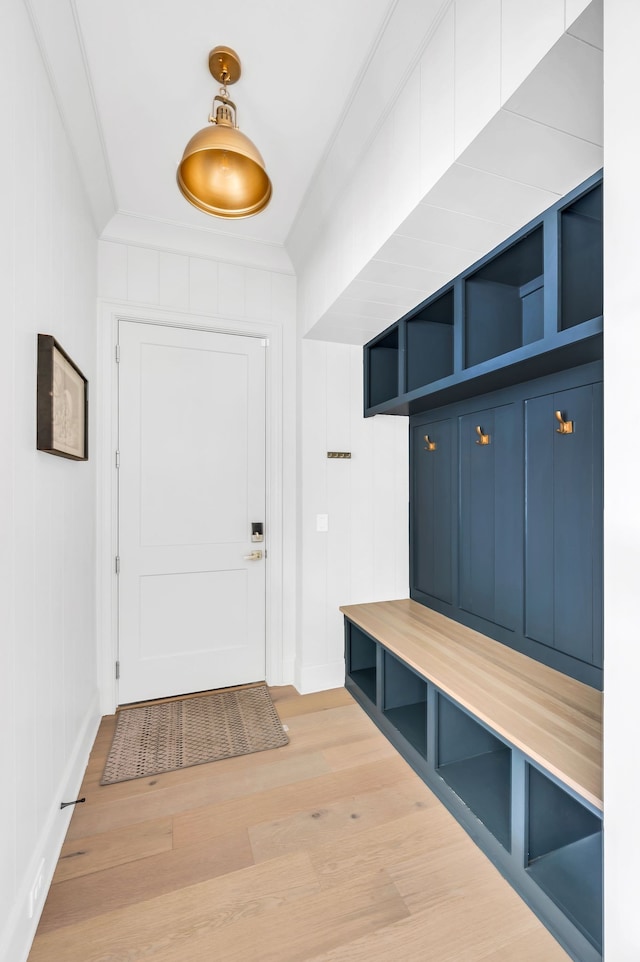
[553, 719]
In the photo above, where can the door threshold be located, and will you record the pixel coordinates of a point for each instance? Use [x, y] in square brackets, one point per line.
[191, 694]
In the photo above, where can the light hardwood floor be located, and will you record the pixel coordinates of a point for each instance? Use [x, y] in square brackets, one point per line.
[330, 849]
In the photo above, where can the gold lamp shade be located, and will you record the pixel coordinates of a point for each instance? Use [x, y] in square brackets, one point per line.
[221, 171]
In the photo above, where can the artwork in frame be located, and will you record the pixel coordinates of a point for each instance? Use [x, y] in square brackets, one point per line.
[62, 403]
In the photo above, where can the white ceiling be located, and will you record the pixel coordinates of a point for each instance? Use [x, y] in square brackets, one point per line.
[147, 63]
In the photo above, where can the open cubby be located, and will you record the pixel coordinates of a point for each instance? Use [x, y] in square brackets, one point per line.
[383, 369]
[405, 702]
[361, 663]
[581, 260]
[430, 342]
[477, 767]
[504, 301]
[564, 855]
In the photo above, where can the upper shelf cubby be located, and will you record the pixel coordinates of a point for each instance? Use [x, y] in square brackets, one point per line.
[430, 342]
[531, 307]
[504, 306]
[581, 258]
[382, 355]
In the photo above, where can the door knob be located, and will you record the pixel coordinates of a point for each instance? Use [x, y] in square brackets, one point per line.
[254, 556]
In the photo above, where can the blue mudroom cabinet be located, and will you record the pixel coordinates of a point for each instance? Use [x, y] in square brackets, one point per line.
[506, 517]
[501, 375]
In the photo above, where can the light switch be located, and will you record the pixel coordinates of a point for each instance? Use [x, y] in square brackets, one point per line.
[322, 522]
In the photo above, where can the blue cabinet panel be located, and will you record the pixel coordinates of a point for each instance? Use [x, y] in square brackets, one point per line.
[432, 507]
[563, 556]
[506, 537]
[539, 522]
[491, 514]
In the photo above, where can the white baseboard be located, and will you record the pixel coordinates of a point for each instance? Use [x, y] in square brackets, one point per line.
[320, 677]
[20, 929]
[286, 677]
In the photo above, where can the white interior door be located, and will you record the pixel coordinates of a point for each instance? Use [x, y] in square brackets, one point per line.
[191, 483]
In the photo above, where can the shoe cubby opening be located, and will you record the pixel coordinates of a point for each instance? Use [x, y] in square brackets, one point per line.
[476, 765]
[504, 301]
[405, 702]
[564, 853]
[362, 662]
[430, 343]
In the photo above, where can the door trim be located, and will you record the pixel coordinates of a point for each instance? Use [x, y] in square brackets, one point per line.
[104, 421]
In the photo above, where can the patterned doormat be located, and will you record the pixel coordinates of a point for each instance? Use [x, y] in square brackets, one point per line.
[152, 739]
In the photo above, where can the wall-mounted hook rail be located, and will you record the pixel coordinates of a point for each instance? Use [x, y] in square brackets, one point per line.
[566, 427]
[482, 438]
[430, 445]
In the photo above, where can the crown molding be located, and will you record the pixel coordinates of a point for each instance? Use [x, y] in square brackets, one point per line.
[137, 231]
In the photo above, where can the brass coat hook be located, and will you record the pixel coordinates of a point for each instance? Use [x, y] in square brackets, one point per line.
[482, 438]
[431, 445]
[566, 427]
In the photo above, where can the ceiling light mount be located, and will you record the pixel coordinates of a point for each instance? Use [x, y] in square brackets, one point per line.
[222, 172]
[225, 66]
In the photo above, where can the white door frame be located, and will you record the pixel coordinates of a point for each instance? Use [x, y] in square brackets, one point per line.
[105, 422]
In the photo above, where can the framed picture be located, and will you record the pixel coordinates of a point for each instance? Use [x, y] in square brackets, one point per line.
[62, 403]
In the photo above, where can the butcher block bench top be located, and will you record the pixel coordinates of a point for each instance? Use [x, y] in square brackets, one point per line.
[552, 718]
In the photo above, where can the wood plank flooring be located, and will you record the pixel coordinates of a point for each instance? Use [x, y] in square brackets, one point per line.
[329, 849]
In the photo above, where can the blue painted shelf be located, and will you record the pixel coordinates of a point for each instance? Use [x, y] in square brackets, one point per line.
[411, 722]
[483, 784]
[566, 875]
[531, 307]
[365, 679]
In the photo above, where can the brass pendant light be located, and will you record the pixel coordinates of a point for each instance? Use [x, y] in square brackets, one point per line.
[221, 171]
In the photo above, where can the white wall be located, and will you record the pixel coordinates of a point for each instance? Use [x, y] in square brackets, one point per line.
[622, 506]
[364, 554]
[162, 286]
[48, 685]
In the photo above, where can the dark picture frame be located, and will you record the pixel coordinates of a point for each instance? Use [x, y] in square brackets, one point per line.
[62, 403]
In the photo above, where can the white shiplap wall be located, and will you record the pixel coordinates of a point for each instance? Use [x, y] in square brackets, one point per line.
[194, 285]
[48, 684]
[364, 554]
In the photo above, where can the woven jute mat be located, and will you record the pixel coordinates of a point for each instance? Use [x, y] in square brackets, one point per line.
[151, 739]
